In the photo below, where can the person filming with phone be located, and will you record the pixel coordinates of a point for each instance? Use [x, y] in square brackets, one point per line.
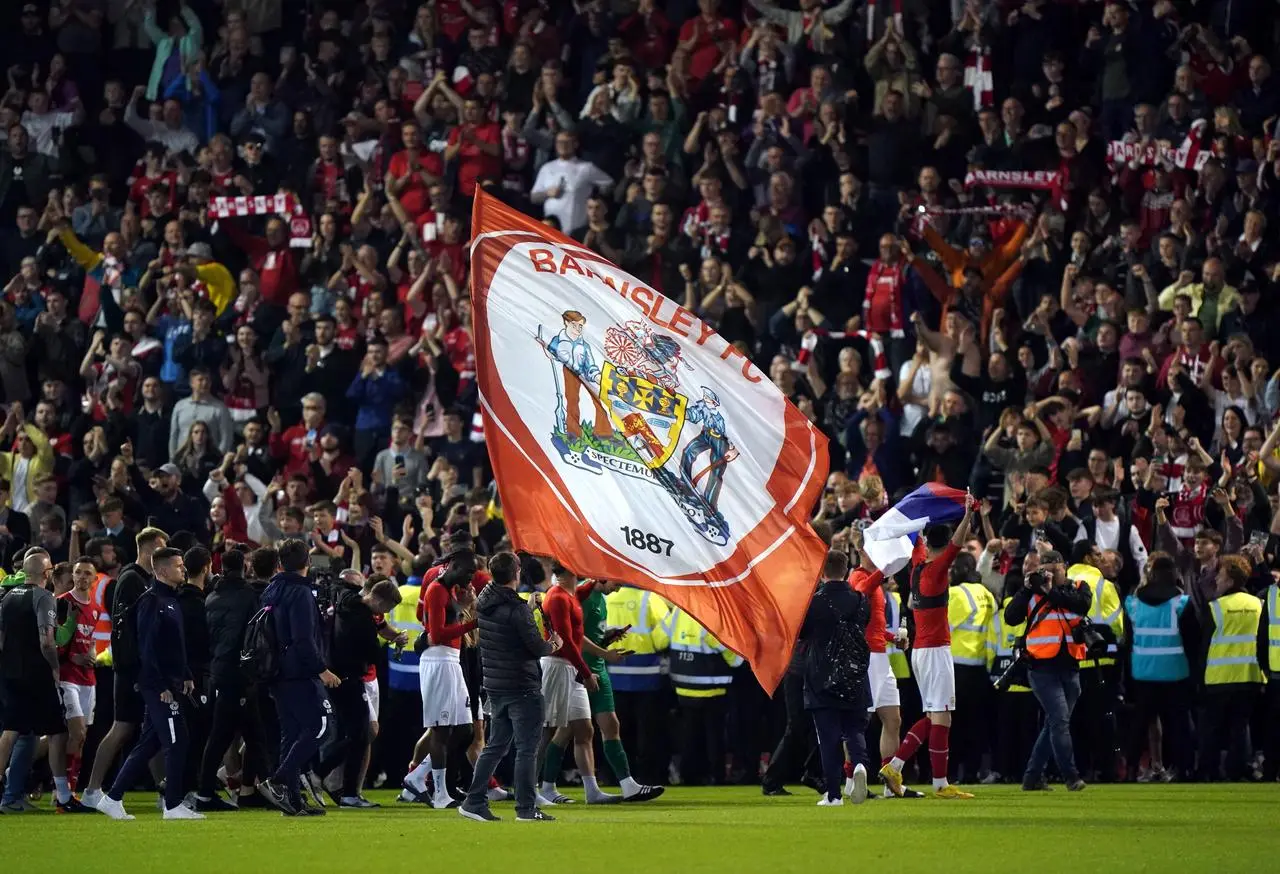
[1053, 608]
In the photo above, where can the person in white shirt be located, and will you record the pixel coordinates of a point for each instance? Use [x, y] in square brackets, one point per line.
[45, 126]
[1105, 528]
[565, 183]
[167, 129]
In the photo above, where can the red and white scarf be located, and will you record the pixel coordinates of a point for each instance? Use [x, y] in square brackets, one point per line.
[978, 78]
[810, 341]
[282, 204]
[1051, 181]
[871, 19]
[818, 250]
[925, 214]
[1188, 156]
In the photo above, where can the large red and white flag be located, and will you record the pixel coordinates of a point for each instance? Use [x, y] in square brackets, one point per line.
[631, 442]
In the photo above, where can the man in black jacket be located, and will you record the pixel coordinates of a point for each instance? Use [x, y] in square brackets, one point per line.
[510, 647]
[836, 689]
[355, 646]
[163, 678]
[228, 610]
[122, 595]
[299, 688]
[195, 630]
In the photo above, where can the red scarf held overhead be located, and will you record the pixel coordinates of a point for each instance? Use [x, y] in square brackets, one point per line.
[1052, 181]
[978, 77]
[871, 18]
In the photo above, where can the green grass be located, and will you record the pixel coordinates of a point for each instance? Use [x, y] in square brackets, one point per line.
[1173, 828]
[615, 445]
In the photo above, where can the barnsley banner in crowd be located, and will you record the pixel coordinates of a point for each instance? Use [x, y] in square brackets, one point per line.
[631, 442]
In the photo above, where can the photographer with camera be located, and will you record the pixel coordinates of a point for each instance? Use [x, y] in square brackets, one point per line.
[1053, 608]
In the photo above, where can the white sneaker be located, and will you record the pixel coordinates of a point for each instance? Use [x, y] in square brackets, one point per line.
[848, 785]
[182, 812]
[444, 802]
[92, 798]
[859, 792]
[497, 793]
[824, 801]
[112, 808]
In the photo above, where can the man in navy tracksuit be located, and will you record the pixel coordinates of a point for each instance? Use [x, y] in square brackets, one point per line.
[299, 689]
[163, 676]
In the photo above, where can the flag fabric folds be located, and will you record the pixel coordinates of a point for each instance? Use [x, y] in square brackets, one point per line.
[632, 442]
[890, 540]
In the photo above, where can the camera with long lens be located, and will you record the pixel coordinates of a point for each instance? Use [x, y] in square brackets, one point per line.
[1093, 636]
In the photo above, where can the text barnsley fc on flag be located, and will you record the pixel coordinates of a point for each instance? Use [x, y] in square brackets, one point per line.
[631, 442]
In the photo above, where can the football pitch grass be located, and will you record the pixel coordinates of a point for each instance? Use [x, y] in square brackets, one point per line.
[1165, 828]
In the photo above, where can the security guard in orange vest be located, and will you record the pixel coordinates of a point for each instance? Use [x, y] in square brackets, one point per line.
[1233, 677]
[1052, 607]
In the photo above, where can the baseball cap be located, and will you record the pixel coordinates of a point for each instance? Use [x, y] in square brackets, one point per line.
[169, 469]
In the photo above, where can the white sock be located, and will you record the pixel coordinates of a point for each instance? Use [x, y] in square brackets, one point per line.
[549, 789]
[897, 763]
[629, 786]
[417, 778]
[62, 788]
[438, 777]
[592, 787]
[887, 793]
[939, 783]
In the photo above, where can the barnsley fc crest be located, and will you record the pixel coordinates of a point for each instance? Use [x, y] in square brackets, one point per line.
[620, 410]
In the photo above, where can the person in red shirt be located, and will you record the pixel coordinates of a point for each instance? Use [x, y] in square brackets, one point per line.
[271, 257]
[292, 445]
[76, 681]
[931, 656]
[447, 599]
[706, 38]
[153, 172]
[867, 579]
[476, 146]
[566, 679]
[413, 170]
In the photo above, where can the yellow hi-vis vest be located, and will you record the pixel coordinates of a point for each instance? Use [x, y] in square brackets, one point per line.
[700, 665]
[403, 665]
[1105, 608]
[646, 613]
[1233, 649]
[1273, 630]
[970, 607]
[898, 661]
[1001, 643]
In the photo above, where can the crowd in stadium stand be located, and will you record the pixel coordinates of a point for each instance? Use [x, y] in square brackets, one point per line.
[1023, 248]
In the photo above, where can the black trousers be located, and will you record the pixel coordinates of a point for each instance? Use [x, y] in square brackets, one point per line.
[233, 710]
[1224, 716]
[1094, 734]
[196, 711]
[1171, 704]
[1271, 728]
[969, 722]
[352, 713]
[1019, 724]
[797, 741]
[702, 729]
[836, 728]
[642, 718]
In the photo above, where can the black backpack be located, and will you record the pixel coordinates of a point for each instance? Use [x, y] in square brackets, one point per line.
[260, 654]
[840, 671]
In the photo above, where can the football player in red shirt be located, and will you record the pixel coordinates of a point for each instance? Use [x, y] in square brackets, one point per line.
[867, 579]
[931, 655]
[76, 681]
